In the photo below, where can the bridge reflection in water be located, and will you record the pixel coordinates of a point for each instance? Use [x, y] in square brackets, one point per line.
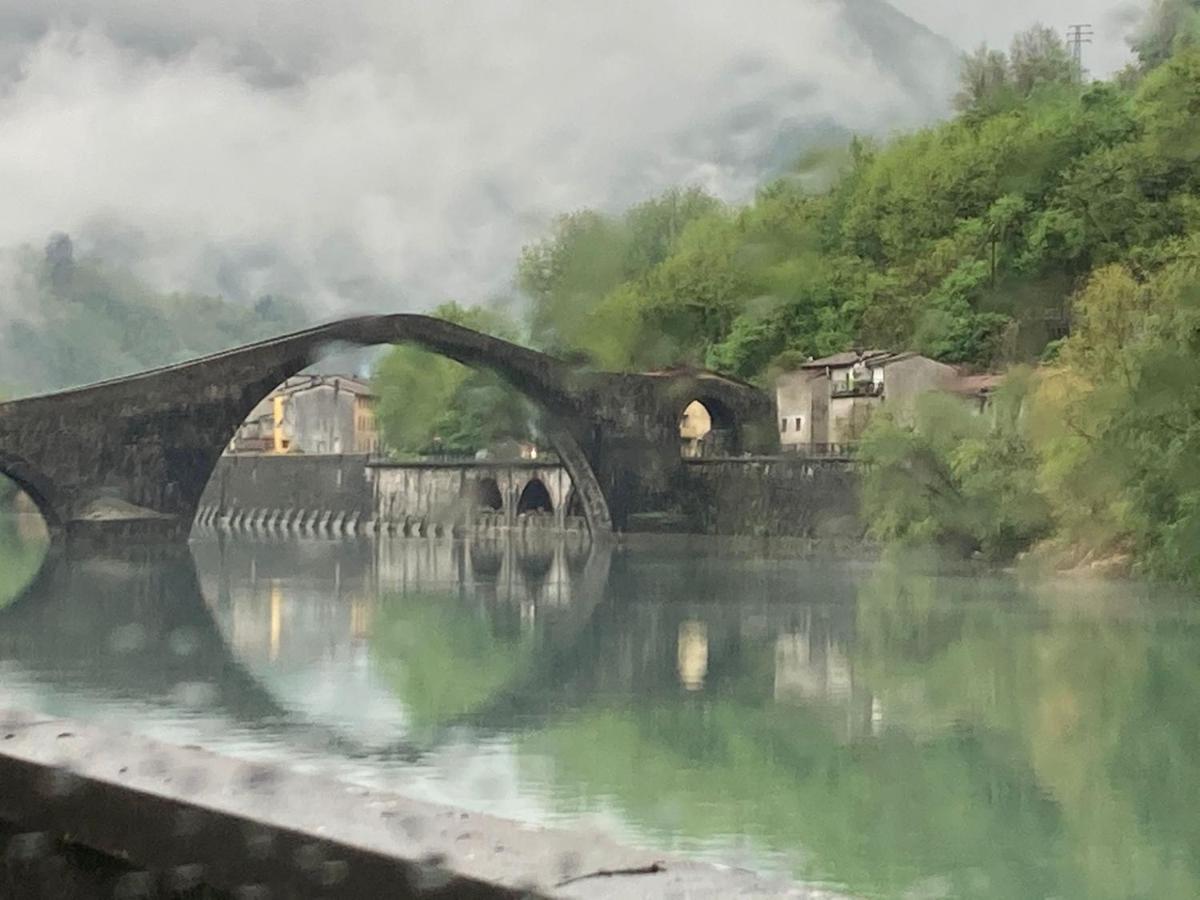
[507, 676]
[896, 731]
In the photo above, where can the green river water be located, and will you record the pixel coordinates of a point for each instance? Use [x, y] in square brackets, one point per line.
[880, 727]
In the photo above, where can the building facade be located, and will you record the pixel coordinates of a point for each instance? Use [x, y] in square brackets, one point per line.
[312, 414]
[825, 405]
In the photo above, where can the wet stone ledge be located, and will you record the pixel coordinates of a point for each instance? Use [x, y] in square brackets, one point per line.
[91, 812]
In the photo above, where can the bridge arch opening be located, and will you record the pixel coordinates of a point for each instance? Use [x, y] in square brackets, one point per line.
[263, 427]
[535, 498]
[487, 495]
[707, 427]
[24, 539]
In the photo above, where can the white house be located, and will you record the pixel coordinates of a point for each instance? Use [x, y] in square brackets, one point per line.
[825, 404]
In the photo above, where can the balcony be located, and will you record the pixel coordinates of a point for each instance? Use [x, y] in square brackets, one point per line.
[847, 387]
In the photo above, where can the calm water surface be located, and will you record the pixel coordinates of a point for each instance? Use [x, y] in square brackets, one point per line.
[869, 726]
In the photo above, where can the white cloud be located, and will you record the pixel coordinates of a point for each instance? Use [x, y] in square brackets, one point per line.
[388, 155]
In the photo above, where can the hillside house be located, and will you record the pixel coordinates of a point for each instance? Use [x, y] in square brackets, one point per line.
[825, 404]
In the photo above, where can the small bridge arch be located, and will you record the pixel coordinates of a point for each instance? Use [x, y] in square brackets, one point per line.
[485, 493]
[535, 498]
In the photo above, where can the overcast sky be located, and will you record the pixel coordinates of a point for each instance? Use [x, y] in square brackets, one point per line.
[971, 22]
[391, 154]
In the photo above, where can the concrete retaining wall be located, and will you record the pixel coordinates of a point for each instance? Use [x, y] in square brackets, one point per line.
[328, 494]
[454, 494]
[772, 496]
[348, 495]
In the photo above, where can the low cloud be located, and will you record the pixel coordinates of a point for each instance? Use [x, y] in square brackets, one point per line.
[391, 155]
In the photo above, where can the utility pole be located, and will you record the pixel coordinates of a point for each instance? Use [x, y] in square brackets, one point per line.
[1077, 36]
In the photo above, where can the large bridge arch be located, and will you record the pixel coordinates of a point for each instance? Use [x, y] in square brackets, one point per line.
[152, 440]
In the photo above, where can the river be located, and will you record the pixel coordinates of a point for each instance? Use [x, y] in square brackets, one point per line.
[892, 730]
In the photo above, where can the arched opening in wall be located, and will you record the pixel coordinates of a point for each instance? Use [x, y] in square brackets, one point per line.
[535, 498]
[487, 494]
[706, 428]
[24, 539]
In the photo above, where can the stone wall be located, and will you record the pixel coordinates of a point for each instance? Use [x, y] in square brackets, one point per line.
[766, 496]
[349, 494]
[476, 494]
[756, 496]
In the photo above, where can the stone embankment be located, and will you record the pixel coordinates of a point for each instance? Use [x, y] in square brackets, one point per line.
[352, 495]
[766, 496]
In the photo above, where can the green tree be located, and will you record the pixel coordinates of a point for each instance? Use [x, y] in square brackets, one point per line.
[984, 84]
[965, 481]
[430, 403]
[1038, 56]
[1168, 26]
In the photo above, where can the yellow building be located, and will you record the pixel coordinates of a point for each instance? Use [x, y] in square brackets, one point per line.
[312, 414]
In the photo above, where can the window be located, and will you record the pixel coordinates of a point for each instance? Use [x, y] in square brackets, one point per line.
[783, 425]
[799, 419]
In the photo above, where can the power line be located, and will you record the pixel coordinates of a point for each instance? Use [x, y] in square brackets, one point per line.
[1077, 36]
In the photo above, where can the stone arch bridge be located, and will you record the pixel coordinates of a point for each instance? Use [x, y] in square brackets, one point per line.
[133, 454]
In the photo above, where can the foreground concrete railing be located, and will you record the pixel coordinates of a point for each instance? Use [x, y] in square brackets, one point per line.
[161, 820]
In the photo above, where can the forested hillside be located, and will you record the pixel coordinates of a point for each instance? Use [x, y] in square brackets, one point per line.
[965, 240]
[67, 321]
[1051, 228]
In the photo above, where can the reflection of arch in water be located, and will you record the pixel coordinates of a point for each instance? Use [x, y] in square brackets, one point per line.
[535, 498]
[535, 563]
[129, 628]
[140, 630]
[24, 539]
[576, 557]
[487, 558]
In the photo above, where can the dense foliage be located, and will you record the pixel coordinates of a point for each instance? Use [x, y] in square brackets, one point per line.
[1100, 449]
[1052, 223]
[964, 240]
[431, 404]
